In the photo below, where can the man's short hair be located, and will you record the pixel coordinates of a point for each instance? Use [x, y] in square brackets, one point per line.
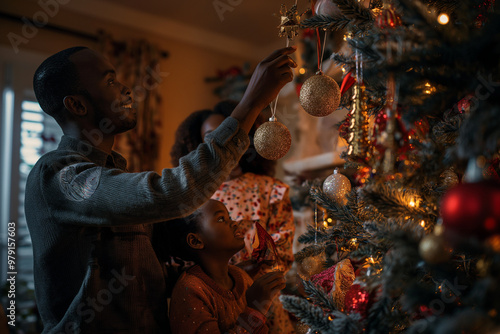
[56, 78]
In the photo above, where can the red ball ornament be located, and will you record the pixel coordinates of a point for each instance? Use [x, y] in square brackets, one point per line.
[473, 209]
[388, 18]
[357, 300]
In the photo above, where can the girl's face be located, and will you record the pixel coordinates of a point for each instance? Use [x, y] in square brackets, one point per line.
[218, 232]
[210, 124]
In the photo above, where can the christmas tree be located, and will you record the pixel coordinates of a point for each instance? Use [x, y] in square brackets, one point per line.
[414, 246]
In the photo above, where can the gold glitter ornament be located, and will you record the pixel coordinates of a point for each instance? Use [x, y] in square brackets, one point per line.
[320, 95]
[337, 186]
[434, 249]
[272, 140]
[311, 265]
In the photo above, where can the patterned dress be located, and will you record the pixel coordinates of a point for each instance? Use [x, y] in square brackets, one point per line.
[250, 198]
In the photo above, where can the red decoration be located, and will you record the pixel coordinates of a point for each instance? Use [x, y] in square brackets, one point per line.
[388, 18]
[492, 169]
[464, 104]
[325, 278]
[347, 83]
[484, 7]
[473, 209]
[357, 300]
[264, 249]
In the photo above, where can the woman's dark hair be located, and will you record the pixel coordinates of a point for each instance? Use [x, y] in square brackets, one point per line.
[188, 137]
[169, 238]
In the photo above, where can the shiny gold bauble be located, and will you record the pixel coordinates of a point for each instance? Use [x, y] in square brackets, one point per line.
[272, 140]
[310, 266]
[434, 249]
[320, 95]
[337, 186]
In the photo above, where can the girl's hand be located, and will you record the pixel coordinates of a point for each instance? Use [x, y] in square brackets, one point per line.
[260, 295]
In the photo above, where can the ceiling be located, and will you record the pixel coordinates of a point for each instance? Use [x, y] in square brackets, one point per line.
[242, 27]
[249, 20]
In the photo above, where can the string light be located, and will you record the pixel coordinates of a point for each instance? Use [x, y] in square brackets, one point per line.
[422, 223]
[443, 19]
[302, 70]
[412, 203]
[428, 89]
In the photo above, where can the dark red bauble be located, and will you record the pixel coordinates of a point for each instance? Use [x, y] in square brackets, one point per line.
[388, 19]
[357, 300]
[473, 209]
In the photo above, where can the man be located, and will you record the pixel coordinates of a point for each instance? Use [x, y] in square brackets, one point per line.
[91, 221]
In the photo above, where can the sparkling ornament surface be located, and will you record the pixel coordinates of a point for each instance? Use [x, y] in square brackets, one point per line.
[472, 209]
[320, 95]
[357, 300]
[434, 249]
[337, 186]
[310, 266]
[358, 124]
[272, 140]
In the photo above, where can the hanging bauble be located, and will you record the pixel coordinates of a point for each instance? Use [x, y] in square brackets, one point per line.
[311, 265]
[473, 209]
[337, 186]
[357, 300]
[320, 95]
[388, 18]
[272, 140]
[326, 7]
[434, 249]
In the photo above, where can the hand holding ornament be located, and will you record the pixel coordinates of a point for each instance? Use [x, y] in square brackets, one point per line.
[270, 75]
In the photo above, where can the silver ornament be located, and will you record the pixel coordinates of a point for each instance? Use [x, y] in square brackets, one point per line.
[337, 186]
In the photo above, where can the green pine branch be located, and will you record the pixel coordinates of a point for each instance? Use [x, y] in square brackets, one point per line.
[318, 296]
[311, 315]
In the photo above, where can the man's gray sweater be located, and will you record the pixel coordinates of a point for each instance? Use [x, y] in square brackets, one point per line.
[90, 224]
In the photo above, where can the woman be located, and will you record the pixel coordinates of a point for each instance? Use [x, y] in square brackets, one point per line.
[251, 194]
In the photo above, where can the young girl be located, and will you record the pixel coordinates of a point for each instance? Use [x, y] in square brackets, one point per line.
[213, 296]
[251, 194]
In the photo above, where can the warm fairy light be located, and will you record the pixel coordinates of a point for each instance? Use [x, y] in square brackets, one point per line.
[329, 220]
[422, 223]
[371, 260]
[325, 223]
[412, 203]
[302, 70]
[428, 88]
[443, 18]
